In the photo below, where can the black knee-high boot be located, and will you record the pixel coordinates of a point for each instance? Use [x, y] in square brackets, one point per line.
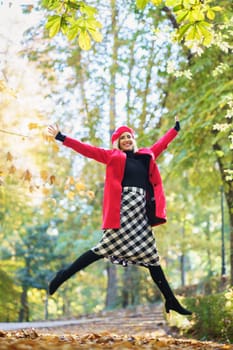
[171, 303]
[62, 275]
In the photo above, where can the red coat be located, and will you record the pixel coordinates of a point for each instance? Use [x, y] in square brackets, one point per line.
[115, 166]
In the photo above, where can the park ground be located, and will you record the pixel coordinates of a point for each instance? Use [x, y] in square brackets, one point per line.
[141, 328]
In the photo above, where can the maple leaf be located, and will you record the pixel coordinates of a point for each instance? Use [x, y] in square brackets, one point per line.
[12, 169]
[27, 176]
[9, 157]
[33, 126]
[44, 175]
[52, 179]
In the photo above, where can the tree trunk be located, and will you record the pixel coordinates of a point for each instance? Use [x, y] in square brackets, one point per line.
[113, 69]
[46, 311]
[124, 295]
[129, 83]
[111, 298]
[146, 92]
[24, 310]
[230, 208]
[208, 251]
[182, 267]
[126, 287]
[228, 192]
[182, 259]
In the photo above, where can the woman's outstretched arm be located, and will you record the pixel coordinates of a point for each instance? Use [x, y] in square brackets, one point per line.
[99, 154]
[159, 146]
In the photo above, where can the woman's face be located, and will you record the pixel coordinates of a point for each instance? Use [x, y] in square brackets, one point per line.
[126, 142]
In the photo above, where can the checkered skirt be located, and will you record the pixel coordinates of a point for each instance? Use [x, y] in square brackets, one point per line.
[133, 242]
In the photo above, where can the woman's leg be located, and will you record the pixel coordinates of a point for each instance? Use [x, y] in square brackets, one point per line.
[171, 303]
[83, 261]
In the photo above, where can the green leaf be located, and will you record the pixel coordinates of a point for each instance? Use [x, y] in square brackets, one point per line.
[141, 4]
[210, 14]
[181, 15]
[219, 154]
[207, 34]
[182, 30]
[84, 40]
[216, 8]
[88, 10]
[193, 34]
[51, 4]
[53, 25]
[72, 32]
[96, 35]
[196, 15]
[73, 5]
[188, 3]
[81, 22]
[156, 2]
[173, 3]
[177, 8]
[92, 23]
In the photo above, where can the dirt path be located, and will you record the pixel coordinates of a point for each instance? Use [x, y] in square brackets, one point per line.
[143, 328]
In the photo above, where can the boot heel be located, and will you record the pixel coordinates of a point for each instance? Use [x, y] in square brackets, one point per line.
[174, 304]
[167, 308]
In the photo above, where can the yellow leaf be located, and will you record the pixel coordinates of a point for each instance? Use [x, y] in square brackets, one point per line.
[5, 89]
[193, 34]
[46, 191]
[33, 126]
[55, 147]
[52, 179]
[31, 188]
[216, 8]
[2, 85]
[80, 186]
[210, 14]
[44, 175]
[91, 194]
[84, 40]
[71, 195]
[156, 2]
[53, 25]
[53, 201]
[48, 138]
[70, 180]
[27, 176]
[67, 186]
[198, 15]
[9, 156]
[12, 169]
[141, 4]
[96, 35]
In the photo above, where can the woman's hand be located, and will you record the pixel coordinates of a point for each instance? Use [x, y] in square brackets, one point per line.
[53, 130]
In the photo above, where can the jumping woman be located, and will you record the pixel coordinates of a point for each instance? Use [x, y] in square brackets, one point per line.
[133, 202]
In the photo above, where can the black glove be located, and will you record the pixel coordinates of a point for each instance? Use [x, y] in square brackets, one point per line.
[177, 126]
[60, 137]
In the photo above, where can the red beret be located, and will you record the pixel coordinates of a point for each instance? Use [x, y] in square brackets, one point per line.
[117, 133]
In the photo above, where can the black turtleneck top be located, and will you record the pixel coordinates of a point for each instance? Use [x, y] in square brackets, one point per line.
[136, 170]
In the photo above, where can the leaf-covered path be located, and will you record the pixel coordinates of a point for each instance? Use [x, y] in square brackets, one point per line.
[144, 328]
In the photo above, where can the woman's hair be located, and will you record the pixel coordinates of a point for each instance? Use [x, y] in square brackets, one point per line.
[115, 144]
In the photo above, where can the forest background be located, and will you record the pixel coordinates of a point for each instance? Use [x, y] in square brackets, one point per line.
[148, 63]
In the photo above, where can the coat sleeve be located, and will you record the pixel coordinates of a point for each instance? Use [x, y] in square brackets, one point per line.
[99, 154]
[163, 142]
